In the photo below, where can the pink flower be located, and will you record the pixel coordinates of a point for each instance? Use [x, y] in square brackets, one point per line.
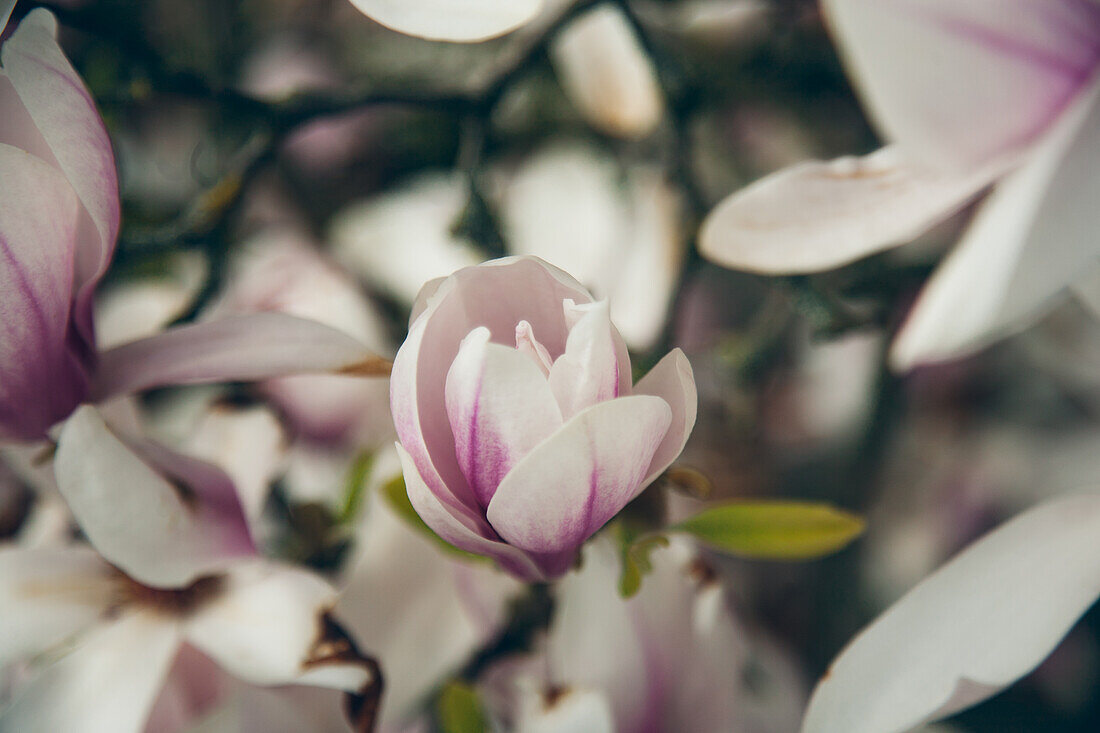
[59, 217]
[520, 433]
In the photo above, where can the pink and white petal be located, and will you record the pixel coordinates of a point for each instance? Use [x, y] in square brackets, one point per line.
[500, 407]
[451, 20]
[965, 83]
[819, 215]
[673, 380]
[1031, 239]
[65, 114]
[495, 295]
[580, 477]
[108, 682]
[463, 531]
[134, 516]
[973, 627]
[268, 626]
[238, 348]
[40, 379]
[589, 370]
[607, 74]
[426, 293]
[47, 595]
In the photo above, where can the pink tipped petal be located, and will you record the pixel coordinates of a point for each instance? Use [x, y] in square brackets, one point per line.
[673, 381]
[47, 595]
[107, 683]
[580, 477]
[134, 516]
[588, 371]
[973, 627]
[451, 20]
[40, 380]
[462, 532]
[966, 82]
[267, 627]
[237, 348]
[819, 215]
[66, 116]
[1034, 236]
[495, 295]
[500, 407]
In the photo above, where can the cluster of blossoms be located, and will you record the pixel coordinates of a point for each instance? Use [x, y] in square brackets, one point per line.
[152, 585]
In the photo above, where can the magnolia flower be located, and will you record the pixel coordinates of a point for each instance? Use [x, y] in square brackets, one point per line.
[171, 561]
[975, 626]
[280, 272]
[520, 434]
[59, 214]
[672, 658]
[966, 94]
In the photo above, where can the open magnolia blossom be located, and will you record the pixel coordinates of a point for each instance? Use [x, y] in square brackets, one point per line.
[278, 271]
[171, 560]
[520, 433]
[674, 657]
[59, 217]
[975, 626]
[967, 94]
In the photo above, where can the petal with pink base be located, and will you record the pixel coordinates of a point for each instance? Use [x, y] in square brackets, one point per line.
[135, 517]
[580, 477]
[463, 532]
[40, 380]
[500, 407]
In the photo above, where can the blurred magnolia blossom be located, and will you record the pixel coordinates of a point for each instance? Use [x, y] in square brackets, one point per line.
[618, 231]
[171, 560]
[966, 94]
[280, 271]
[59, 212]
[973, 627]
[520, 431]
[420, 611]
[674, 657]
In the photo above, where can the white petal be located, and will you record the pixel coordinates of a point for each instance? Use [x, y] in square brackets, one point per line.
[451, 20]
[135, 517]
[401, 240]
[238, 348]
[589, 370]
[581, 476]
[1034, 236]
[423, 614]
[107, 683]
[966, 82]
[981, 622]
[268, 626]
[47, 595]
[607, 74]
[820, 215]
[500, 406]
